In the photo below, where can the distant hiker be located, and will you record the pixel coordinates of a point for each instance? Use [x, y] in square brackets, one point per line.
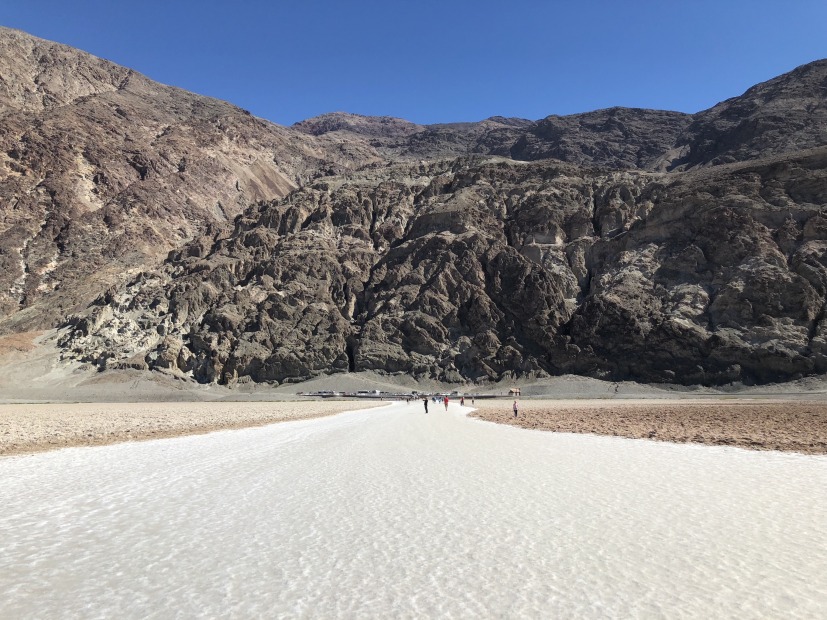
[425, 402]
[462, 401]
[472, 400]
[515, 408]
[446, 403]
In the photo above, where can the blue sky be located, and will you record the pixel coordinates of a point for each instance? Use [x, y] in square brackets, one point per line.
[430, 61]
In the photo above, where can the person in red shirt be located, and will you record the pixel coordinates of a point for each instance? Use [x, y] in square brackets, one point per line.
[446, 403]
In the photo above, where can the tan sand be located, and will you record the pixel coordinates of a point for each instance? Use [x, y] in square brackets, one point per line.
[794, 426]
[29, 428]
[18, 343]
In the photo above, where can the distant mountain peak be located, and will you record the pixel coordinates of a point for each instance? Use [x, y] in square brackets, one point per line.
[369, 126]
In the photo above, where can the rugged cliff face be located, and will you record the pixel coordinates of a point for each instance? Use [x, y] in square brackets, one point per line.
[618, 243]
[480, 269]
[103, 172]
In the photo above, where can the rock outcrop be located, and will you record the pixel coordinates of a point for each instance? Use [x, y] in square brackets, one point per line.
[475, 269]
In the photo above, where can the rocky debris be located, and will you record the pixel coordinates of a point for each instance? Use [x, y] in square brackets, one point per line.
[484, 269]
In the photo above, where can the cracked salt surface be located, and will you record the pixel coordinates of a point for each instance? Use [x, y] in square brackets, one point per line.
[392, 513]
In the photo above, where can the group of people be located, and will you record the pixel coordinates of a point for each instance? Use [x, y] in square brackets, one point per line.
[446, 400]
[434, 398]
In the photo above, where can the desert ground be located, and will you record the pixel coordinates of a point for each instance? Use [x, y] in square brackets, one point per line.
[28, 428]
[48, 403]
[760, 424]
[392, 513]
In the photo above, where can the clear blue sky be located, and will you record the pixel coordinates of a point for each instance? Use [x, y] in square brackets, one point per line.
[440, 61]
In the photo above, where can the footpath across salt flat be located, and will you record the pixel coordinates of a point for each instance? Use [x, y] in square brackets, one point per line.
[389, 512]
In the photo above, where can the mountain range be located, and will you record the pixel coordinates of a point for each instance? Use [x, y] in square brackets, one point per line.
[162, 230]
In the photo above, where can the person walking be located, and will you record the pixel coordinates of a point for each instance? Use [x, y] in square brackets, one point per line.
[515, 408]
[462, 401]
[425, 402]
[446, 403]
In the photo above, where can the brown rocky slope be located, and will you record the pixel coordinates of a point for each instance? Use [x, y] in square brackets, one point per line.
[472, 269]
[103, 172]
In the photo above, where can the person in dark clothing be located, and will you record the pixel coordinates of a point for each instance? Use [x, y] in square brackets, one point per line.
[425, 402]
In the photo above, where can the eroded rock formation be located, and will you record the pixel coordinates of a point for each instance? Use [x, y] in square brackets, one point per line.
[103, 172]
[474, 269]
[618, 243]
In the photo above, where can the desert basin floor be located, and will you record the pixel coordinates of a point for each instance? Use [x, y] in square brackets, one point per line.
[390, 512]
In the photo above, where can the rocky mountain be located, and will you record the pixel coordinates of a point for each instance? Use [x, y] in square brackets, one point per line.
[617, 138]
[103, 172]
[619, 243]
[784, 115]
[400, 140]
[620, 138]
[477, 269]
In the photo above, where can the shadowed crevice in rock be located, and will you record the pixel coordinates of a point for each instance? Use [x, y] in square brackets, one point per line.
[351, 356]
